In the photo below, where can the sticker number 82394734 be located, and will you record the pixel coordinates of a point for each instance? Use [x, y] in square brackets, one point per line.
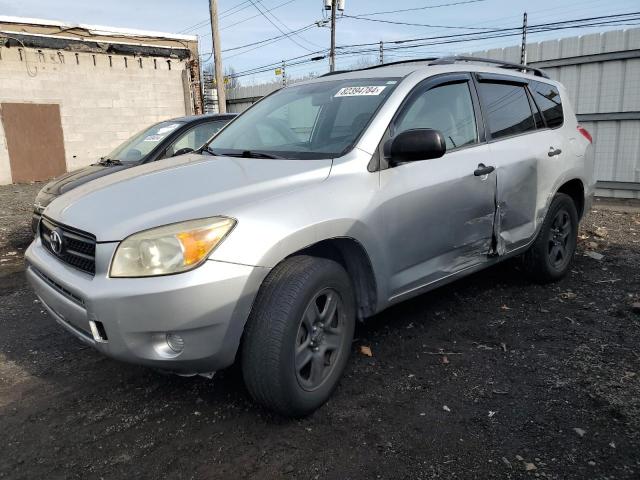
[359, 91]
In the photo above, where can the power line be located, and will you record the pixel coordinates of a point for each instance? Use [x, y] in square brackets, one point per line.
[223, 14]
[351, 50]
[286, 27]
[205, 23]
[269, 40]
[418, 8]
[360, 17]
[275, 25]
[497, 30]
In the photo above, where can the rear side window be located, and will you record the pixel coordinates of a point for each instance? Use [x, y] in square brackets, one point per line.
[506, 109]
[548, 100]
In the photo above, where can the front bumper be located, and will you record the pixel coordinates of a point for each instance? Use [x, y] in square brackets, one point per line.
[207, 307]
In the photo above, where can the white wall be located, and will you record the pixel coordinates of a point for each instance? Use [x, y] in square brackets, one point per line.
[100, 105]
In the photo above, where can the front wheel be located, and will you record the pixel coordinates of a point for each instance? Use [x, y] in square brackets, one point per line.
[549, 257]
[298, 336]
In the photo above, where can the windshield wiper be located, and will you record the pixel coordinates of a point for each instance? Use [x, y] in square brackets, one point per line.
[251, 154]
[208, 150]
[105, 162]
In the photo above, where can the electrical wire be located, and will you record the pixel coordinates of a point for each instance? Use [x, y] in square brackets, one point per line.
[359, 17]
[223, 14]
[277, 27]
[345, 51]
[270, 40]
[313, 45]
[24, 50]
[206, 23]
[418, 8]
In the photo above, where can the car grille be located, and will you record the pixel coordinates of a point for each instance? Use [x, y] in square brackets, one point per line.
[77, 248]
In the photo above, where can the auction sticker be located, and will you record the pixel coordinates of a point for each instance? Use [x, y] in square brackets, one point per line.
[359, 91]
[153, 138]
[168, 128]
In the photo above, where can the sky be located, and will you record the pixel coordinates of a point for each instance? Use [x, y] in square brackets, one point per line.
[241, 23]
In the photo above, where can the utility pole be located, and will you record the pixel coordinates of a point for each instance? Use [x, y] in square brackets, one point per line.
[332, 51]
[284, 74]
[523, 50]
[381, 52]
[217, 56]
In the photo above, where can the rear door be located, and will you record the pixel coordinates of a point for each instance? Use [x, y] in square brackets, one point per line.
[550, 118]
[518, 146]
[437, 218]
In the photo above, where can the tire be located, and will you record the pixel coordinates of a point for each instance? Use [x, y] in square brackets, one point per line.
[287, 365]
[549, 257]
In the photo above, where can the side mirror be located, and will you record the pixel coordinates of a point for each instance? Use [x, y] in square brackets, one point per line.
[416, 144]
[182, 151]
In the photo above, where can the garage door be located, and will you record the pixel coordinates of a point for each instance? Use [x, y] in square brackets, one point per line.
[34, 140]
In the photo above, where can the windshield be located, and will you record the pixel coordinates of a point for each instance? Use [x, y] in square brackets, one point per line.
[142, 143]
[312, 121]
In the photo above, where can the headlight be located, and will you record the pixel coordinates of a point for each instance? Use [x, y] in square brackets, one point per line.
[170, 249]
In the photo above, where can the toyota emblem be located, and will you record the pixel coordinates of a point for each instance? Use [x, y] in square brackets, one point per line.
[55, 242]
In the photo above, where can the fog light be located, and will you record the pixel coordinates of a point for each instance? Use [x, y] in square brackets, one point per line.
[175, 342]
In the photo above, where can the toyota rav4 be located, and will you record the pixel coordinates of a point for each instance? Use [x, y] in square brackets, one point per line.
[323, 204]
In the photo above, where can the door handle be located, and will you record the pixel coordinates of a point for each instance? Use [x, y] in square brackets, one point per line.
[483, 170]
[554, 151]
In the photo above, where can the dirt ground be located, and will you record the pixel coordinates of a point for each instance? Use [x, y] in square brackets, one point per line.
[489, 377]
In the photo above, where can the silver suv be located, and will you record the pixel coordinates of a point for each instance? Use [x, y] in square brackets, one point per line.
[326, 202]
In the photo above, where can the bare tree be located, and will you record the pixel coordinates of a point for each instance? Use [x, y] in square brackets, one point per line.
[363, 62]
[231, 81]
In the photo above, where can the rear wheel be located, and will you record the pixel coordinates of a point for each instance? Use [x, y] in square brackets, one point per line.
[298, 337]
[549, 257]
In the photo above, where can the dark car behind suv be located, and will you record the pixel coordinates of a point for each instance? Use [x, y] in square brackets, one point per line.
[161, 140]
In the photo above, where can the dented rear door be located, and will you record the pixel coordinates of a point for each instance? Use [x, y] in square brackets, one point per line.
[517, 149]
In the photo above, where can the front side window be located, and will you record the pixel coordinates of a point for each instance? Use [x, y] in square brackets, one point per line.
[507, 109]
[548, 100]
[447, 108]
[195, 137]
[316, 120]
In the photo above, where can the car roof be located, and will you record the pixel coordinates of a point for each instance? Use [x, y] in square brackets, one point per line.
[404, 68]
[202, 118]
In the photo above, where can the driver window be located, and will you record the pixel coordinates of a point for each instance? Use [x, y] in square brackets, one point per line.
[447, 108]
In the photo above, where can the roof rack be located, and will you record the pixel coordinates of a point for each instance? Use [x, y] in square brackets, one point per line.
[453, 59]
[499, 63]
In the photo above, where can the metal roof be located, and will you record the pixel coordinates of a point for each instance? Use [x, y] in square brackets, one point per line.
[99, 30]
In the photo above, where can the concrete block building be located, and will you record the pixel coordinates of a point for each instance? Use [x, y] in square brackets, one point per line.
[69, 93]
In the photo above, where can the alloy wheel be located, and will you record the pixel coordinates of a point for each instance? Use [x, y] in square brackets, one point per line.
[320, 338]
[559, 237]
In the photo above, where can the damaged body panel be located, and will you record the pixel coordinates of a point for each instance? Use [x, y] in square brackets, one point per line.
[516, 194]
[439, 218]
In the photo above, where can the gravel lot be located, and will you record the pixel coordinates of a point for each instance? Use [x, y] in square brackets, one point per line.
[490, 377]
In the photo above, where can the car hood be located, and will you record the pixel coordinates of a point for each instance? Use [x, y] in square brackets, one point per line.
[183, 188]
[71, 180]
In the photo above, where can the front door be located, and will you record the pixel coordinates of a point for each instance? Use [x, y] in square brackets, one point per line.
[439, 215]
